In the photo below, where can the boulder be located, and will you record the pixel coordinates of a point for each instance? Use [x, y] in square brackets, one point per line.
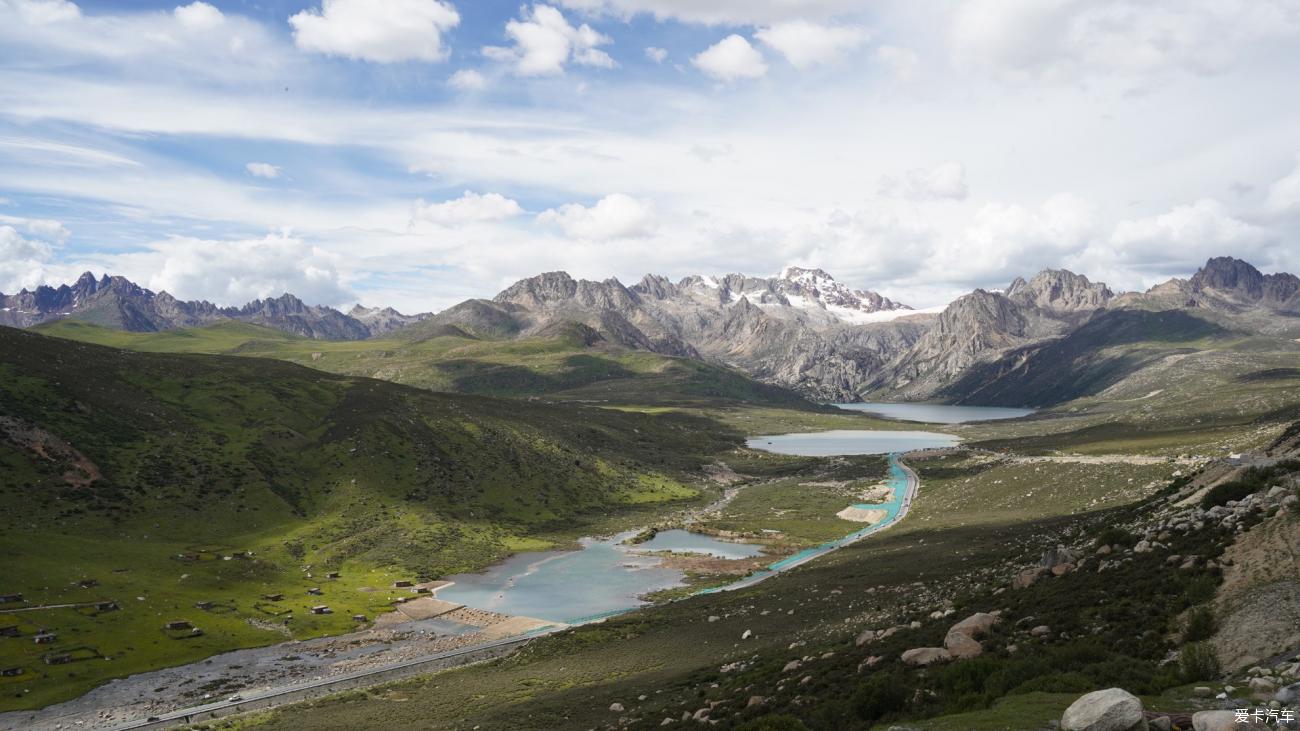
[1201, 691]
[746, 635]
[1289, 696]
[962, 646]
[1061, 569]
[755, 700]
[1113, 709]
[867, 635]
[1027, 578]
[976, 625]
[792, 666]
[1262, 686]
[616, 707]
[1160, 723]
[923, 656]
[1057, 556]
[1041, 630]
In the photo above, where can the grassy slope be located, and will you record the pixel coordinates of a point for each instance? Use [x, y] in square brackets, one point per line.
[974, 523]
[213, 457]
[563, 366]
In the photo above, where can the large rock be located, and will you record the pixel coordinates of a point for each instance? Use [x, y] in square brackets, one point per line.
[1028, 577]
[962, 646]
[922, 656]
[976, 625]
[1113, 709]
[961, 640]
[1289, 696]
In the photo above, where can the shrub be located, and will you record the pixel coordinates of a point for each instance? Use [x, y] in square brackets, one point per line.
[1200, 625]
[1197, 661]
[782, 722]
[1221, 494]
[880, 696]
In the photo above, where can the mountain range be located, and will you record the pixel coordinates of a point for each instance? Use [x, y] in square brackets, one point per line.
[800, 329]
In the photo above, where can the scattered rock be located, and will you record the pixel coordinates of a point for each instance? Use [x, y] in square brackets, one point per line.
[1201, 691]
[1061, 569]
[755, 700]
[1041, 630]
[1160, 723]
[1289, 696]
[746, 635]
[867, 635]
[1113, 709]
[792, 666]
[616, 707]
[1027, 578]
[923, 656]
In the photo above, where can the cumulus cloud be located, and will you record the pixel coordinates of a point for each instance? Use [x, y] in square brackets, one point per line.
[23, 262]
[806, 44]
[616, 216]
[1074, 39]
[380, 31]
[262, 170]
[543, 42]
[658, 55]
[199, 15]
[731, 59]
[468, 80]
[235, 272]
[469, 208]
[946, 181]
[42, 228]
[1187, 234]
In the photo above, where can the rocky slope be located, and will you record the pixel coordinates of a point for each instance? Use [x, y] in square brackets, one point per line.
[119, 303]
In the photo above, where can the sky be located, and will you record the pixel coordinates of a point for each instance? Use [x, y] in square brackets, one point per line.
[415, 153]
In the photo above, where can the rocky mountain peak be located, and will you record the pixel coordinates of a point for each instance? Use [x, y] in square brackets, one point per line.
[1226, 275]
[539, 290]
[1059, 290]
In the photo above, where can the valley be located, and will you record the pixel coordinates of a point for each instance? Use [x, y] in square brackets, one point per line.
[225, 488]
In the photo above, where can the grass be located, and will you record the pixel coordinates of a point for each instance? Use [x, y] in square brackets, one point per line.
[310, 472]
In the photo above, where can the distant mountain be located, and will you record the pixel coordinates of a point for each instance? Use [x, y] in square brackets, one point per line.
[119, 303]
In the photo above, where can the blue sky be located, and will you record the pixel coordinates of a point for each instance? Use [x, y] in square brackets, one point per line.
[417, 152]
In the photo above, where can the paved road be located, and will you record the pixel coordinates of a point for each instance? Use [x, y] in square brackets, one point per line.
[476, 653]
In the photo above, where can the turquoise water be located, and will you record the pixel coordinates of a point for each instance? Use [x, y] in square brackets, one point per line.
[938, 413]
[851, 441]
[604, 578]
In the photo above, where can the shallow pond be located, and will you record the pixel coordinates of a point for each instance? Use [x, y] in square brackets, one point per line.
[938, 413]
[851, 441]
[605, 576]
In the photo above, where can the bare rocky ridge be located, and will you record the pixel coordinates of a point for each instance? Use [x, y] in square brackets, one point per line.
[117, 302]
[800, 329]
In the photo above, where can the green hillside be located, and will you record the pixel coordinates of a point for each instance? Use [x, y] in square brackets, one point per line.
[568, 363]
[163, 480]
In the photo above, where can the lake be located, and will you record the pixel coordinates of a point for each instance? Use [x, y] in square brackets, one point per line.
[851, 441]
[603, 577]
[938, 413]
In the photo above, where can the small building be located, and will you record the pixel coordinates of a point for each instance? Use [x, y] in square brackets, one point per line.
[45, 638]
[358, 618]
[402, 584]
[107, 606]
[61, 658]
[273, 597]
[10, 631]
[178, 624]
[423, 590]
[320, 609]
[315, 591]
[88, 583]
[11, 672]
[203, 605]
[196, 632]
[10, 598]
[332, 575]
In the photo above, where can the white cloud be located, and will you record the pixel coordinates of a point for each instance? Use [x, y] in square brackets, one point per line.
[262, 170]
[199, 15]
[233, 272]
[616, 216]
[1074, 39]
[468, 80]
[901, 62]
[1004, 240]
[192, 42]
[23, 262]
[380, 31]
[544, 42]
[1284, 194]
[658, 55]
[806, 44]
[731, 59]
[721, 12]
[946, 181]
[1188, 233]
[469, 208]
